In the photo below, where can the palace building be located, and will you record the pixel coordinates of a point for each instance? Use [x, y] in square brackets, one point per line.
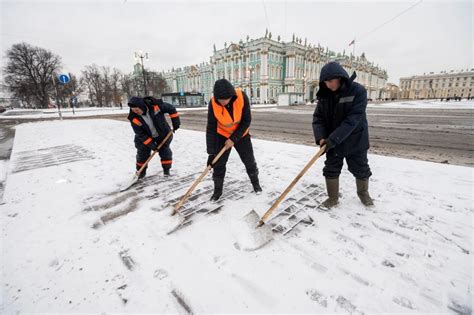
[266, 67]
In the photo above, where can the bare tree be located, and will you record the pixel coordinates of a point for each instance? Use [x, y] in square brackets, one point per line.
[156, 84]
[29, 72]
[115, 85]
[92, 79]
[132, 85]
[107, 84]
[127, 85]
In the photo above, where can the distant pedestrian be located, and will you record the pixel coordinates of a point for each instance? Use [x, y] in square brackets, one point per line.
[150, 127]
[340, 122]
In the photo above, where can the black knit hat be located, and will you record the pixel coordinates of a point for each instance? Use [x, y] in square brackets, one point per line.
[137, 102]
[223, 89]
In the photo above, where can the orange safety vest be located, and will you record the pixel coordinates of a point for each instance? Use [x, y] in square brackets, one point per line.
[225, 125]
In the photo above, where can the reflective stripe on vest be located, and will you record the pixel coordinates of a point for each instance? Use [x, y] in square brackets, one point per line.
[225, 125]
[136, 122]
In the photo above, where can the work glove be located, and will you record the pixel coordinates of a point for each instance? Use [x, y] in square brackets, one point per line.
[154, 146]
[175, 126]
[210, 158]
[329, 144]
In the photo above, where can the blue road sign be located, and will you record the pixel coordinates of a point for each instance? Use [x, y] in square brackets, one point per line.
[64, 78]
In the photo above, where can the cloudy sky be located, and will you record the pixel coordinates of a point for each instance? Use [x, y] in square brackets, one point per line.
[431, 36]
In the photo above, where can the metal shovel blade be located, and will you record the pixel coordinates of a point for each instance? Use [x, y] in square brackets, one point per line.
[176, 222]
[251, 236]
[130, 183]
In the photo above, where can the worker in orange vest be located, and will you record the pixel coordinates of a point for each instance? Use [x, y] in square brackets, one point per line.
[228, 123]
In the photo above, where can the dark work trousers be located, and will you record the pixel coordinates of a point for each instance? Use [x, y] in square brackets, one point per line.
[357, 164]
[244, 149]
[143, 153]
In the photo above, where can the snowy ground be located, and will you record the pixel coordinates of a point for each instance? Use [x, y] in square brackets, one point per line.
[421, 104]
[28, 114]
[72, 243]
[428, 104]
[65, 112]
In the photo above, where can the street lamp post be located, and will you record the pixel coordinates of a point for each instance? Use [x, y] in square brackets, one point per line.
[58, 104]
[140, 55]
[304, 85]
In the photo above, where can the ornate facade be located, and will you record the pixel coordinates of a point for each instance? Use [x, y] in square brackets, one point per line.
[440, 85]
[266, 67]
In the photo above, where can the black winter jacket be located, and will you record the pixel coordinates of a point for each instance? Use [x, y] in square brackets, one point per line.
[141, 129]
[340, 116]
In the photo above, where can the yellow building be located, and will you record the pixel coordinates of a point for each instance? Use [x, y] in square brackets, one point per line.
[441, 85]
[392, 91]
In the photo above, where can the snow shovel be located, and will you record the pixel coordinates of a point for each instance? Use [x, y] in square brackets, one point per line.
[196, 182]
[137, 174]
[260, 234]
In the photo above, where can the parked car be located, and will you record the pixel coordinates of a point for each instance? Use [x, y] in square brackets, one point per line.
[2, 109]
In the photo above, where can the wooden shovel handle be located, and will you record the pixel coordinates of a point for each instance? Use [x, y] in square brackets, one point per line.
[196, 182]
[154, 152]
[293, 183]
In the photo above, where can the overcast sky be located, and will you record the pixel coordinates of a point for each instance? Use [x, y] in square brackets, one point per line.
[432, 36]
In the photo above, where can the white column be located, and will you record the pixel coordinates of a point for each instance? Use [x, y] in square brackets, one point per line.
[247, 74]
[264, 65]
[263, 93]
[292, 67]
[241, 77]
[214, 70]
[225, 68]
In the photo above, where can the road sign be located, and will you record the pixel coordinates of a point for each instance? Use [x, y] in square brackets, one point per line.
[64, 78]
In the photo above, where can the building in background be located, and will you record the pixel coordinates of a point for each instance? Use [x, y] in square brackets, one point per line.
[184, 99]
[440, 85]
[265, 68]
[392, 92]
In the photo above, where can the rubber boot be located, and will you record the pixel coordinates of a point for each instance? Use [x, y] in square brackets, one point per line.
[143, 173]
[166, 172]
[255, 183]
[363, 191]
[218, 185]
[332, 187]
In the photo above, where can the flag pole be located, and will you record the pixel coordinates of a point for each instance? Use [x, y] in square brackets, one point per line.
[354, 47]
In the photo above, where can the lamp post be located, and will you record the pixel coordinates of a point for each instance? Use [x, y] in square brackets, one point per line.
[140, 55]
[58, 104]
[304, 85]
